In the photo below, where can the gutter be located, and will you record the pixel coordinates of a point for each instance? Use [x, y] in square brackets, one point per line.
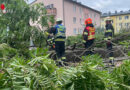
[63, 12]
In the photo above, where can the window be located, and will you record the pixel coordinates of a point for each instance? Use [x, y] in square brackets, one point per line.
[126, 25]
[120, 25]
[75, 31]
[95, 15]
[89, 15]
[80, 10]
[126, 17]
[74, 20]
[80, 20]
[80, 31]
[74, 8]
[120, 18]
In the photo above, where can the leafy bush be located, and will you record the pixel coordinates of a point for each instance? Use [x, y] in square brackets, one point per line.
[6, 51]
[41, 73]
[125, 43]
[122, 75]
[15, 27]
[71, 40]
[128, 53]
[99, 36]
[124, 30]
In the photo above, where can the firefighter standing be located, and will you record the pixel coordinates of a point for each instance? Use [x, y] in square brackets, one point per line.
[88, 34]
[59, 37]
[109, 32]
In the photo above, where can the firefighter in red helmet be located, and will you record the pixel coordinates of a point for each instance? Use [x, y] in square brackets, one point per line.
[88, 33]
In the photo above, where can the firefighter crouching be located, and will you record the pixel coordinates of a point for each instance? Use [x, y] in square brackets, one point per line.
[50, 40]
[88, 34]
[59, 38]
[109, 32]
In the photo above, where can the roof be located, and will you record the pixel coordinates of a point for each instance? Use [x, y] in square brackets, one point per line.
[116, 13]
[78, 4]
[73, 1]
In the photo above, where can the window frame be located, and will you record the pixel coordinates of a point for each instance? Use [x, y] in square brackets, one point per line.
[126, 17]
[74, 7]
[75, 31]
[74, 20]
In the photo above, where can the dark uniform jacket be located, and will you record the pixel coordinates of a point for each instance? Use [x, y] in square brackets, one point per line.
[109, 32]
[59, 32]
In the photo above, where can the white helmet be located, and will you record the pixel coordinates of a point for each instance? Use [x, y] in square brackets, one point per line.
[108, 19]
[58, 19]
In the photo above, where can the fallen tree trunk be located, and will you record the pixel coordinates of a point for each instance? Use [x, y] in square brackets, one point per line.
[116, 39]
[75, 56]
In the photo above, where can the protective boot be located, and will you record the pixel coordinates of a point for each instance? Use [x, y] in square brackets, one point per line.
[64, 61]
[111, 60]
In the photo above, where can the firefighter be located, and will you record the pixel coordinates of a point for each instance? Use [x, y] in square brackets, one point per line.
[59, 37]
[50, 41]
[88, 34]
[109, 33]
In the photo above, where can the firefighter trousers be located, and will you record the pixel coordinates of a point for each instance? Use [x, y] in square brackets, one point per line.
[109, 48]
[60, 49]
[87, 45]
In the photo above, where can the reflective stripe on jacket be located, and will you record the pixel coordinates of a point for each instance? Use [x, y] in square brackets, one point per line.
[91, 33]
[108, 34]
[60, 33]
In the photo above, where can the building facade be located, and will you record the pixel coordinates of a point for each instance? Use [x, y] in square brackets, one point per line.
[73, 14]
[120, 20]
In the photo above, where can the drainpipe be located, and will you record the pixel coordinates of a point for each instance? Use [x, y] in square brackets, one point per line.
[63, 12]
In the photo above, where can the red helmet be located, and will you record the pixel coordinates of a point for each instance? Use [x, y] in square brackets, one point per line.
[88, 21]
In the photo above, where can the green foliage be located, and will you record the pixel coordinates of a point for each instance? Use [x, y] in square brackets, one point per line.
[32, 74]
[125, 43]
[6, 51]
[86, 78]
[41, 73]
[15, 27]
[124, 30]
[21, 69]
[122, 75]
[78, 39]
[71, 40]
[93, 60]
[123, 35]
[128, 53]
